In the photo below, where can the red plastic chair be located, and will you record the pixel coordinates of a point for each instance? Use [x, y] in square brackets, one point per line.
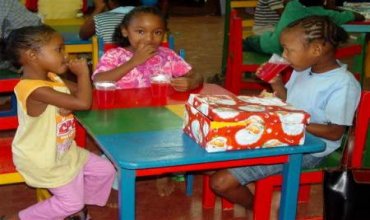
[240, 63]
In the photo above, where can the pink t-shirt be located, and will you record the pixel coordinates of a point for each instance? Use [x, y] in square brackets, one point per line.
[165, 61]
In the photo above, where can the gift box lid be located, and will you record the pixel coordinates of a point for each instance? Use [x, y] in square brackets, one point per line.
[227, 108]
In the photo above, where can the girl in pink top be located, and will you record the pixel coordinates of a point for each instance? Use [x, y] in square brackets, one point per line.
[140, 55]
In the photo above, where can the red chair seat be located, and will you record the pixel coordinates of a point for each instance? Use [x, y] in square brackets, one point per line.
[6, 159]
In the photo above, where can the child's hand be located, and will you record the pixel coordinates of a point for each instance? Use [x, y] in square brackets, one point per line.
[275, 79]
[181, 84]
[143, 53]
[258, 71]
[78, 66]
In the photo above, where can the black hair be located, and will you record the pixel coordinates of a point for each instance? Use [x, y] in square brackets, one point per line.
[122, 41]
[126, 2]
[310, 3]
[123, 2]
[321, 28]
[25, 38]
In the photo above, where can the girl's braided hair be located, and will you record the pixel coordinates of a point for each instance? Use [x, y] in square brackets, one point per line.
[122, 41]
[30, 37]
[321, 28]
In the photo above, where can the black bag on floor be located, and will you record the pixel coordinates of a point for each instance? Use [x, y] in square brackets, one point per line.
[347, 194]
[347, 190]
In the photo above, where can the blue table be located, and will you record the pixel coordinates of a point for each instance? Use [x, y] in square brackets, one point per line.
[149, 141]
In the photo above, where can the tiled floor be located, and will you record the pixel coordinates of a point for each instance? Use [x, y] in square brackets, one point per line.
[201, 37]
[149, 204]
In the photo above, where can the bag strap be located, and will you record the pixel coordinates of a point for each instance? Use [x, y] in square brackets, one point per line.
[347, 144]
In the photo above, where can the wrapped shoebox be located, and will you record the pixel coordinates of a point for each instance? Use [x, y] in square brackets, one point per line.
[223, 123]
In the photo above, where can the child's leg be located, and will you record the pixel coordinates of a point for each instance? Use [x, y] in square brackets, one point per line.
[165, 185]
[226, 185]
[99, 175]
[71, 198]
[66, 200]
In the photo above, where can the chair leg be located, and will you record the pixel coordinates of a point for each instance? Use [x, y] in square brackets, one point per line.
[209, 197]
[189, 181]
[226, 205]
[42, 194]
[262, 198]
[304, 193]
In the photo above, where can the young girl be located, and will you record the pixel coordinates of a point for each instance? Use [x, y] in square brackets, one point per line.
[44, 150]
[140, 55]
[319, 84]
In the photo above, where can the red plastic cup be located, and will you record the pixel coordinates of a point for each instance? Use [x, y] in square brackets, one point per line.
[105, 94]
[160, 85]
[272, 68]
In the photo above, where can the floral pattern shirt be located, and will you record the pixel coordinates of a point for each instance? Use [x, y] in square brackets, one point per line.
[166, 61]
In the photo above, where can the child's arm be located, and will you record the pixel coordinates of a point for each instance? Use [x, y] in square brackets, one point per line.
[142, 54]
[79, 100]
[278, 87]
[87, 29]
[328, 131]
[276, 84]
[187, 82]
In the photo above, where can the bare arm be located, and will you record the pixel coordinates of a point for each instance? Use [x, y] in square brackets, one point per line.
[72, 86]
[80, 100]
[278, 87]
[142, 54]
[328, 131]
[87, 29]
[187, 82]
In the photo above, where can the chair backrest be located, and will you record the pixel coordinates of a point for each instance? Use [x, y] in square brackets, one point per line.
[361, 149]
[354, 50]
[247, 23]
[239, 61]
[32, 5]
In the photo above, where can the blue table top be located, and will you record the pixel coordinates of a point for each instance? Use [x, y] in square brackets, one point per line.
[356, 28]
[141, 150]
[140, 138]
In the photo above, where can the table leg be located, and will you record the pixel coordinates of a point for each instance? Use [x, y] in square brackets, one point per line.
[126, 199]
[289, 192]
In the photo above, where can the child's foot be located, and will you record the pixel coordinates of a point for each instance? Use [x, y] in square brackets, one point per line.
[165, 186]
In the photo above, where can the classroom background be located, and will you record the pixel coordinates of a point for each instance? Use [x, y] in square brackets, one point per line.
[197, 27]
